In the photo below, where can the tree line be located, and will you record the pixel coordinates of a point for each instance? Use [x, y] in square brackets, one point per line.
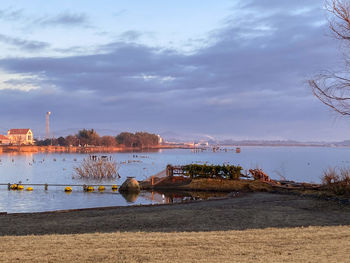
[88, 137]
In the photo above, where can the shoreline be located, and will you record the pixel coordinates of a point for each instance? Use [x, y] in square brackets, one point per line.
[77, 149]
[103, 149]
[311, 195]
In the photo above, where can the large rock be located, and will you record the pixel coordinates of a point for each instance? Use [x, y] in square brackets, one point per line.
[130, 185]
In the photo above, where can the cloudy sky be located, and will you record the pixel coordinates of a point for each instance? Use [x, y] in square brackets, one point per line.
[228, 69]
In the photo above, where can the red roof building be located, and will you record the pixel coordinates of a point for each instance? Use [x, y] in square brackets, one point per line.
[4, 140]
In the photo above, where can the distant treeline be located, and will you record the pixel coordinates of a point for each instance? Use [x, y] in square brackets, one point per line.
[92, 138]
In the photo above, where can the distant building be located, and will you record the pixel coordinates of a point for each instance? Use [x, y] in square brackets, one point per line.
[201, 144]
[160, 139]
[20, 136]
[4, 140]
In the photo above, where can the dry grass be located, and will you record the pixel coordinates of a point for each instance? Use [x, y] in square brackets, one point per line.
[97, 169]
[337, 181]
[311, 244]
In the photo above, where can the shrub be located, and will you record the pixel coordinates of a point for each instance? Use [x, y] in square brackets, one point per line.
[338, 184]
[330, 176]
[100, 168]
[213, 171]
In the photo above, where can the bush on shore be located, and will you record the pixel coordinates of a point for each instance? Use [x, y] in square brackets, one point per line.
[337, 180]
[213, 171]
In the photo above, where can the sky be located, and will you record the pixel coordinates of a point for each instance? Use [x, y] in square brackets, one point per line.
[228, 69]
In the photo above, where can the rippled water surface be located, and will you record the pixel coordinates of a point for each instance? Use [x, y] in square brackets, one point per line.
[294, 163]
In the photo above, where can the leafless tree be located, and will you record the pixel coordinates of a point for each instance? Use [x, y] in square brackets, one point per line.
[333, 88]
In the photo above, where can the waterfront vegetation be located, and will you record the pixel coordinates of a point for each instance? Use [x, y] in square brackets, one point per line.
[337, 181]
[92, 138]
[213, 171]
[97, 169]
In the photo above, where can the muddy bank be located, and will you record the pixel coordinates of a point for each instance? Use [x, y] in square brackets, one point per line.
[250, 211]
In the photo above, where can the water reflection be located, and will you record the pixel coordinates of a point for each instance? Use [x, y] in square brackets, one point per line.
[130, 197]
[169, 197]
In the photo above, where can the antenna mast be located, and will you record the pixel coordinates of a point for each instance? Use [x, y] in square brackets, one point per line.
[48, 124]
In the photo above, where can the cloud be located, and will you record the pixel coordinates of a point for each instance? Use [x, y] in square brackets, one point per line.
[11, 14]
[130, 35]
[64, 19]
[28, 45]
[248, 82]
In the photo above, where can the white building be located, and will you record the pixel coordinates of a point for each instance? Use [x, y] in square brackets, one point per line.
[20, 136]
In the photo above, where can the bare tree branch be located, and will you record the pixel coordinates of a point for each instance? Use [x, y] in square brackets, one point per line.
[333, 89]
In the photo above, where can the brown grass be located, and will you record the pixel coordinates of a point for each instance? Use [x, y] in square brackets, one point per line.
[311, 244]
[337, 181]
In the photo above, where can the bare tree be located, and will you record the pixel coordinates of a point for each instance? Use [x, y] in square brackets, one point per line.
[331, 88]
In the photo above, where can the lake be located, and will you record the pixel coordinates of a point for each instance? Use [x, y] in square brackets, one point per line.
[294, 163]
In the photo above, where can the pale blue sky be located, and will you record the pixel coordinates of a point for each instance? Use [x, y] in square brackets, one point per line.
[168, 24]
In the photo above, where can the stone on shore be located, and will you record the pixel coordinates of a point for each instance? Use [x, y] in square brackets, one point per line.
[130, 185]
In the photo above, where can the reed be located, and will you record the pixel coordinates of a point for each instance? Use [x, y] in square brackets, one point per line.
[97, 169]
[337, 180]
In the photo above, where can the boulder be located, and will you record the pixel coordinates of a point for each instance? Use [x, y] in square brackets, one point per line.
[130, 185]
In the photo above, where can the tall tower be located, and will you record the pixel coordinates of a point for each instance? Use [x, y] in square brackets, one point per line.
[48, 125]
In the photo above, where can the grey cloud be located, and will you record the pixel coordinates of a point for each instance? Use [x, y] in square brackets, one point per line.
[134, 36]
[130, 35]
[29, 45]
[64, 19]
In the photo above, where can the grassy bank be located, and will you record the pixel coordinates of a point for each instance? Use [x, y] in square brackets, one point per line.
[311, 244]
[210, 184]
[202, 184]
[224, 185]
[250, 210]
[256, 227]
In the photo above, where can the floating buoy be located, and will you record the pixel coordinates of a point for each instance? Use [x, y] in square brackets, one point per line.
[29, 188]
[90, 189]
[101, 188]
[68, 189]
[20, 187]
[14, 187]
[114, 187]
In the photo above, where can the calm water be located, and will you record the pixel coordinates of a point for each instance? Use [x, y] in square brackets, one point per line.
[294, 163]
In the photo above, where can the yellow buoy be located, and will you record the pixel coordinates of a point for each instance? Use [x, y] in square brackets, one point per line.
[20, 187]
[29, 188]
[68, 189]
[114, 187]
[90, 189]
[14, 187]
[101, 188]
